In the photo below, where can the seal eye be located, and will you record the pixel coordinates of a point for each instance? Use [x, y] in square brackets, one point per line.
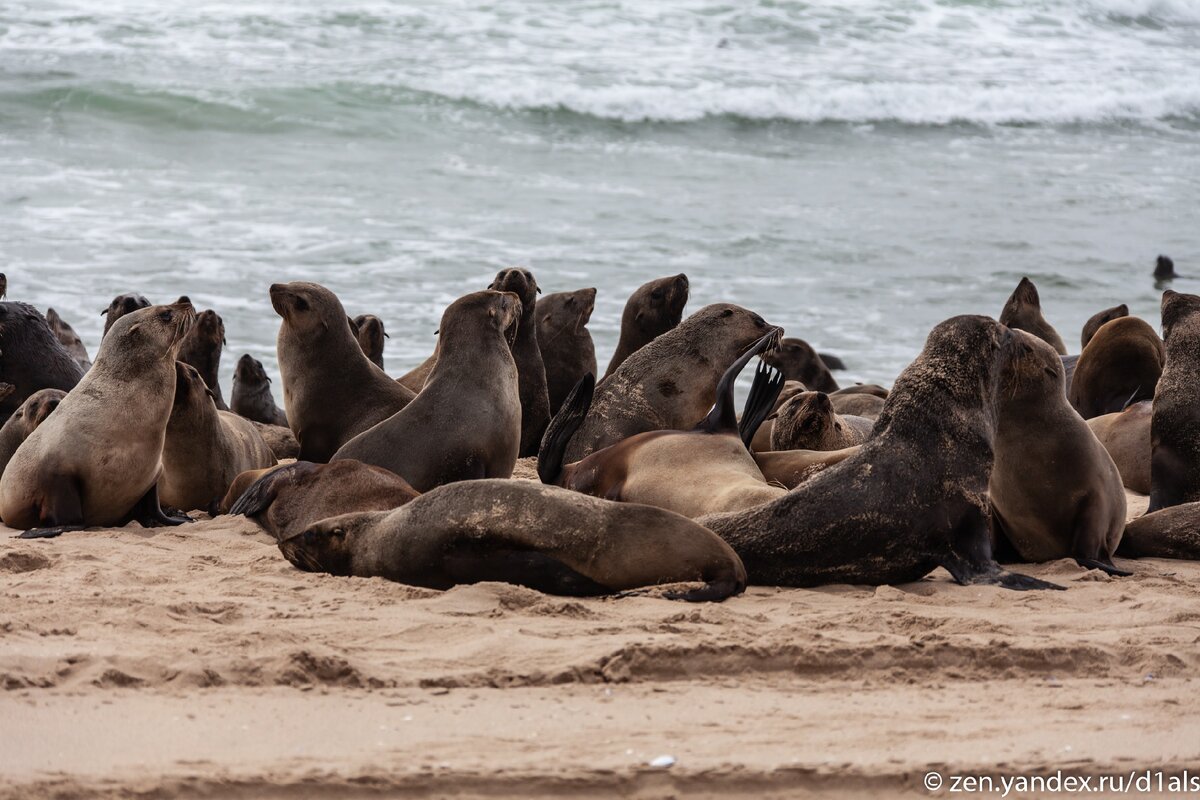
[301, 304]
[165, 316]
[657, 294]
[727, 312]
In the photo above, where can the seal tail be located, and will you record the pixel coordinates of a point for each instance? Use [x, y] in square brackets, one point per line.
[560, 430]
[768, 383]
[722, 418]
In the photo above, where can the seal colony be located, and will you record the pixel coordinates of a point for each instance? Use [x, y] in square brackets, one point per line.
[993, 446]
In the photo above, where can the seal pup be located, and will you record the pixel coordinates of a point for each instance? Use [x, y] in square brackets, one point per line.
[670, 383]
[369, 331]
[701, 471]
[913, 498]
[1056, 492]
[790, 468]
[252, 396]
[24, 421]
[798, 361]
[69, 338]
[1098, 319]
[1023, 312]
[31, 356]
[97, 459]
[807, 421]
[1175, 425]
[331, 390]
[205, 448]
[201, 349]
[121, 305]
[762, 438]
[285, 500]
[566, 344]
[466, 423]
[1120, 365]
[520, 532]
[1126, 437]
[653, 309]
[535, 398]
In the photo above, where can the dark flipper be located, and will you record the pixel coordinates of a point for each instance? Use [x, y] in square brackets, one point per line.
[723, 418]
[560, 430]
[1016, 581]
[150, 514]
[259, 495]
[768, 383]
[831, 361]
[712, 592]
[1105, 567]
[49, 533]
[970, 560]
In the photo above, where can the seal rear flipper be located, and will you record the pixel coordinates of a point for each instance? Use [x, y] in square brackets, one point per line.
[151, 514]
[563, 427]
[970, 562]
[712, 592]
[1104, 566]
[768, 383]
[49, 533]
[259, 495]
[722, 418]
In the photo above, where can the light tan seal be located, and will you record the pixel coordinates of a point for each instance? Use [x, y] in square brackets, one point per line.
[653, 309]
[1126, 437]
[790, 468]
[24, 421]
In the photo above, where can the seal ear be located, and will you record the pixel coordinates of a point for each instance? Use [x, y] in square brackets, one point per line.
[134, 327]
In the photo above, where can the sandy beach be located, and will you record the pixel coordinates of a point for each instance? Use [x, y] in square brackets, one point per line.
[196, 662]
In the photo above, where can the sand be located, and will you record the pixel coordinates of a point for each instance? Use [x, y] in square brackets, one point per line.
[196, 662]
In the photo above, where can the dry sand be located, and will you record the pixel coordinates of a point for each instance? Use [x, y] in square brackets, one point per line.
[197, 662]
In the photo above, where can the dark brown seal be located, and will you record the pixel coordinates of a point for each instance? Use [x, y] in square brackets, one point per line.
[25, 420]
[1098, 319]
[1175, 427]
[201, 349]
[1119, 366]
[31, 356]
[1164, 270]
[69, 338]
[1172, 532]
[331, 390]
[121, 305]
[369, 331]
[798, 361]
[252, 396]
[1023, 312]
[520, 532]
[807, 421]
[913, 498]
[466, 423]
[535, 398]
[566, 344]
[653, 309]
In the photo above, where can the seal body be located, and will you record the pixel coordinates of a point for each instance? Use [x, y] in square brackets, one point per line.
[566, 344]
[535, 398]
[201, 349]
[1126, 437]
[31, 356]
[24, 421]
[1098, 319]
[1120, 365]
[807, 421]
[252, 396]
[653, 309]
[466, 423]
[1023, 312]
[369, 331]
[790, 468]
[798, 361]
[68, 338]
[1172, 532]
[1175, 426]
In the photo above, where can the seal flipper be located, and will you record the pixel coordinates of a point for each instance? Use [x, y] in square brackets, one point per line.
[969, 559]
[1105, 567]
[470, 563]
[714, 591]
[259, 495]
[562, 428]
[768, 383]
[49, 533]
[722, 418]
[150, 513]
[61, 510]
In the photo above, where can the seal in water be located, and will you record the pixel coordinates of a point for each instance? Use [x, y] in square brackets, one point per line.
[653, 309]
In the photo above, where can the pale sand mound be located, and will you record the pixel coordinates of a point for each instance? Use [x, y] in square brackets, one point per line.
[197, 662]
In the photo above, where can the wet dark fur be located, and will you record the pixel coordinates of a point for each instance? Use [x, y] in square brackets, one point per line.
[535, 397]
[201, 349]
[31, 356]
[1175, 426]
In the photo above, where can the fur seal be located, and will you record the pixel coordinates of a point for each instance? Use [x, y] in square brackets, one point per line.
[252, 396]
[914, 497]
[31, 356]
[535, 399]
[69, 338]
[285, 500]
[762, 438]
[1172, 532]
[864, 406]
[566, 344]
[281, 440]
[415, 378]
[205, 448]
[1120, 365]
[369, 331]
[807, 421]
[1023, 312]
[670, 383]
[1164, 270]
[798, 361]
[331, 390]
[1098, 319]
[201, 349]
[1175, 426]
[466, 423]
[24, 421]
[790, 468]
[872, 389]
[520, 532]
[1126, 437]
[97, 459]
[1056, 492]
[653, 309]
[831, 361]
[121, 305]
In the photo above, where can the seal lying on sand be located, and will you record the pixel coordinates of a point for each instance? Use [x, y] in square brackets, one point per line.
[790, 468]
[543, 537]
[912, 499]
[252, 393]
[653, 309]
[1023, 312]
[1175, 426]
[1170, 533]
[566, 344]
[31, 356]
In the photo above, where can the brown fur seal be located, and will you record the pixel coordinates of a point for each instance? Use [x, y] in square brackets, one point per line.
[331, 390]
[281, 440]
[872, 389]
[1098, 319]
[201, 349]
[31, 356]
[566, 344]
[535, 399]
[798, 361]
[696, 472]
[415, 378]
[808, 422]
[97, 459]
[466, 423]
[524, 533]
[24, 421]
[790, 468]
[1175, 427]
[1120, 366]
[1126, 437]
[762, 438]
[1173, 532]
[368, 330]
[121, 305]
[670, 383]
[205, 448]
[1164, 270]
[252, 396]
[865, 406]
[1023, 312]
[653, 309]
[287, 499]
[69, 338]
[913, 498]
[1055, 491]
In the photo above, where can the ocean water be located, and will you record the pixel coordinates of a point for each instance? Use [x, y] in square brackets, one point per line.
[854, 170]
